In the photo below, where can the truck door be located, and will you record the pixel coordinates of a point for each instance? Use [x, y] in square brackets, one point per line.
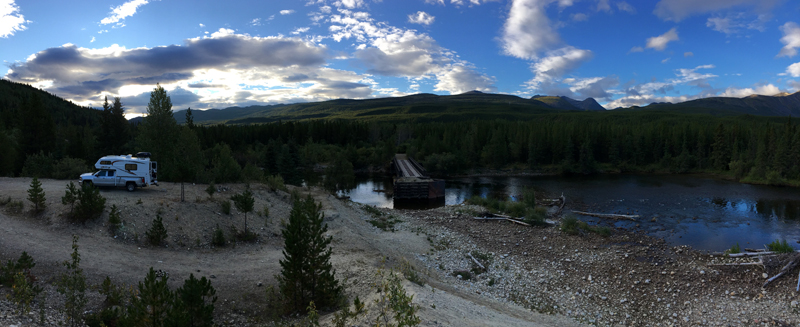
[101, 178]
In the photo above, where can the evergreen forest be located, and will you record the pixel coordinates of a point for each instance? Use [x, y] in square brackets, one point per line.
[45, 136]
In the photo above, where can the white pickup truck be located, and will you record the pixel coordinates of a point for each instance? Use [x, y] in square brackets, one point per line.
[131, 171]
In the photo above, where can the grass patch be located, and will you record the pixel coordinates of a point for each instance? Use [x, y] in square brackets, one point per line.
[385, 223]
[463, 274]
[225, 206]
[411, 273]
[573, 226]
[735, 249]
[536, 216]
[780, 247]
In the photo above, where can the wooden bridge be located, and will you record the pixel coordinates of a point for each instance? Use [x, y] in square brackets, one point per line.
[411, 181]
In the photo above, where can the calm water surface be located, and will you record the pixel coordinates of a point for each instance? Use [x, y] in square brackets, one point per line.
[705, 213]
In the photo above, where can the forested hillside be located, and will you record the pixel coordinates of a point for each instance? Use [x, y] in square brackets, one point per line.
[749, 148]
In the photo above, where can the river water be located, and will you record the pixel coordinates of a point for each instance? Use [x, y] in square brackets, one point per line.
[708, 214]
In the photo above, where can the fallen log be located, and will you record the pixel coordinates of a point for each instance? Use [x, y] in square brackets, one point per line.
[560, 208]
[754, 250]
[606, 215]
[503, 218]
[798, 283]
[759, 263]
[789, 266]
[476, 261]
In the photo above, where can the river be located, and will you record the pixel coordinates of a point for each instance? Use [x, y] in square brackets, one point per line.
[705, 213]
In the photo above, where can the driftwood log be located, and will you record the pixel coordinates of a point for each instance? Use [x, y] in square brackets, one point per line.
[561, 207]
[476, 262]
[759, 263]
[503, 218]
[788, 267]
[607, 215]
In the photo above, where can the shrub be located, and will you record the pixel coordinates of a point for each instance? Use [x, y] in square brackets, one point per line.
[38, 165]
[251, 173]
[529, 197]
[157, 232]
[69, 168]
[515, 209]
[211, 189]
[23, 291]
[90, 203]
[536, 216]
[70, 197]
[73, 286]
[394, 303]
[219, 237]
[15, 206]
[36, 195]
[225, 206]
[735, 249]
[780, 247]
[275, 182]
[569, 225]
[114, 221]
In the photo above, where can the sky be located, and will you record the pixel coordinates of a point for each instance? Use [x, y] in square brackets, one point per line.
[218, 54]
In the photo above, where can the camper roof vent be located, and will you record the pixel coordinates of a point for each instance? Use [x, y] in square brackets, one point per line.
[143, 154]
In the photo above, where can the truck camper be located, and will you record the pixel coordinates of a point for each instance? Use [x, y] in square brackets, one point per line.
[130, 171]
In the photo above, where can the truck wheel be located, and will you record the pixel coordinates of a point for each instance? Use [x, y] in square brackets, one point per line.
[88, 183]
[131, 186]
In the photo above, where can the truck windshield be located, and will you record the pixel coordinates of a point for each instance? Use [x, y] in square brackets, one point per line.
[101, 173]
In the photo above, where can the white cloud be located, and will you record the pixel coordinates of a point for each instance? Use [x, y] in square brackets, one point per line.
[794, 85]
[459, 79]
[660, 42]
[794, 69]
[603, 5]
[300, 30]
[255, 22]
[201, 25]
[720, 24]
[556, 64]
[733, 92]
[435, 2]
[219, 71]
[677, 10]
[646, 93]
[732, 23]
[125, 10]
[349, 4]
[580, 17]
[636, 49]
[665, 60]
[791, 39]
[421, 17]
[93, 39]
[392, 51]
[527, 31]
[286, 12]
[10, 19]
[626, 7]
[688, 54]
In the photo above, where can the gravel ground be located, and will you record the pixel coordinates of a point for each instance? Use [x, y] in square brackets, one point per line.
[532, 276]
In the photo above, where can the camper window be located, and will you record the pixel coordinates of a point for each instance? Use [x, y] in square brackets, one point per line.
[105, 162]
[131, 167]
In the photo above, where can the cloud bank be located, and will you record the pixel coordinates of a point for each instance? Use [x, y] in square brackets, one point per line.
[11, 21]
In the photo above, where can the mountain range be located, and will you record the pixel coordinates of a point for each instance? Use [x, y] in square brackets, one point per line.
[783, 104]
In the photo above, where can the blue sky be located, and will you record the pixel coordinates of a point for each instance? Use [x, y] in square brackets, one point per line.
[216, 54]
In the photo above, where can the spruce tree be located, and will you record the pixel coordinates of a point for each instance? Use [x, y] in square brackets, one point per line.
[306, 271]
[90, 203]
[157, 232]
[36, 195]
[193, 304]
[159, 131]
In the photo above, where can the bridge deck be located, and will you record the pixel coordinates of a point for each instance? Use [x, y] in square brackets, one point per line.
[405, 168]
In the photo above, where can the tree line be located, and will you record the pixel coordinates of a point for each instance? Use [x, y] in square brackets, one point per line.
[748, 148]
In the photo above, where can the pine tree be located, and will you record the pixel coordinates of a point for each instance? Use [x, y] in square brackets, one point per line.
[120, 128]
[189, 118]
[70, 196]
[36, 195]
[90, 203]
[306, 271]
[244, 202]
[157, 232]
[193, 304]
[159, 131]
[73, 286]
[152, 305]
